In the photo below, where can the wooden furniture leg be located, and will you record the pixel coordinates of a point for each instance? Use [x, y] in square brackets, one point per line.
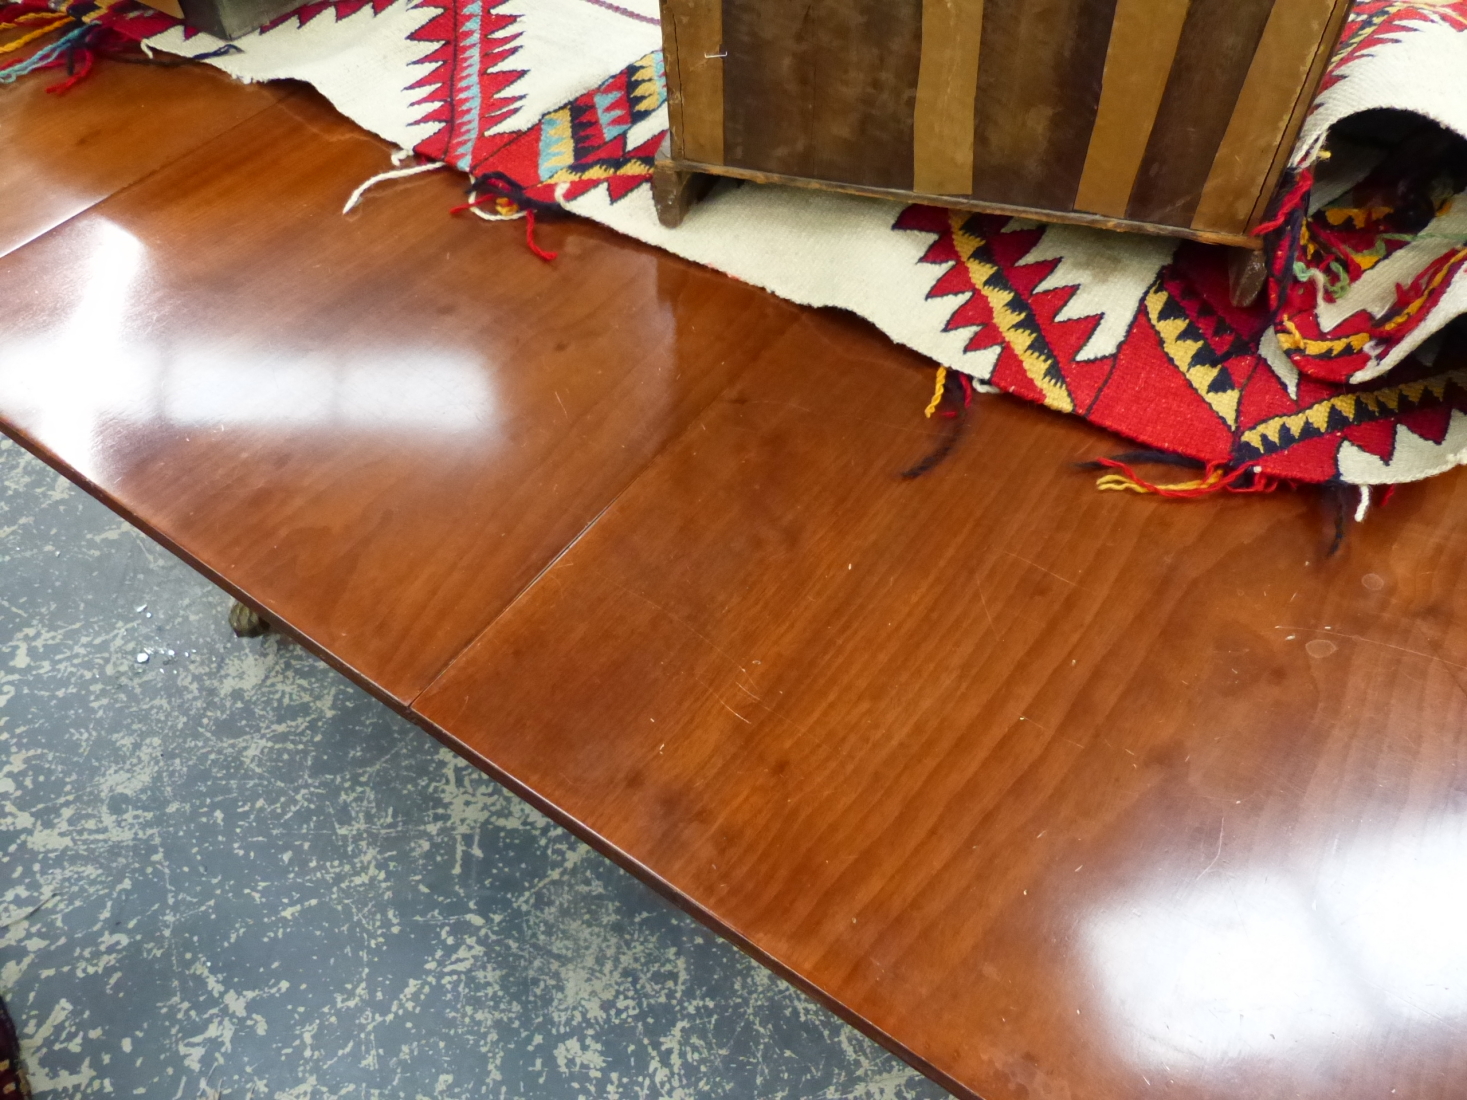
[674, 190]
[1247, 274]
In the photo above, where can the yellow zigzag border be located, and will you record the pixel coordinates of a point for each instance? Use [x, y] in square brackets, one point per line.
[1356, 408]
[1015, 320]
[1182, 341]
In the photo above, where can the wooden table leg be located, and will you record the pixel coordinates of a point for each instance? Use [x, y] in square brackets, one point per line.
[246, 622]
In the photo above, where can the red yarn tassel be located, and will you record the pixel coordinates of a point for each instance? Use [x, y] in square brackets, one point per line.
[83, 64]
[529, 212]
[530, 237]
[1297, 195]
[1217, 478]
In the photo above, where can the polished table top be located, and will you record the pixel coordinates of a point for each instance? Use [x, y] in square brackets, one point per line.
[1063, 795]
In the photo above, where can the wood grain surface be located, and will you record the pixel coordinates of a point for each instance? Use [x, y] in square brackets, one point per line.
[1060, 794]
[65, 153]
[1063, 792]
[324, 410]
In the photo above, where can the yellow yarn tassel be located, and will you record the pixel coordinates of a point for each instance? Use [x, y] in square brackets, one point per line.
[937, 392]
[1120, 483]
[31, 17]
[39, 32]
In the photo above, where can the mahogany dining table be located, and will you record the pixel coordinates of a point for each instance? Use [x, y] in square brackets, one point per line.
[1058, 794]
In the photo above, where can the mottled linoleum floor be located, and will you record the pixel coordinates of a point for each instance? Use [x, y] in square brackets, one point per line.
[225, 871]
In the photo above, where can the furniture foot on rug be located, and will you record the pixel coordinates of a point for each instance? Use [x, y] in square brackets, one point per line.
[1247, 274]
[674, 191]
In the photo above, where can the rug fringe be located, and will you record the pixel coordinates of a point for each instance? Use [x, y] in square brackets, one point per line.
[940, 385]
[47, 57]
[506, 208]
[82, 40]
[382, 177]
[1216, 478]
[52, 22]
[1147, 458]
[961, 392]
[85, 39]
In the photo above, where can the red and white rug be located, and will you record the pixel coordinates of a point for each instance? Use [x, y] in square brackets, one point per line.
[1343, 375]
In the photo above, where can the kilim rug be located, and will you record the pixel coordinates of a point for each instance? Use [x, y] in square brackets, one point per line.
[1345, 373]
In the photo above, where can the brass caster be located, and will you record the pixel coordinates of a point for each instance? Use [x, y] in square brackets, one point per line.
[246, 622]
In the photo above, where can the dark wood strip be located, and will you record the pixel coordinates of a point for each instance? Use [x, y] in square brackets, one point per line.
[1218, 44]
[766, 106]
[825, 89]
[1038, 92]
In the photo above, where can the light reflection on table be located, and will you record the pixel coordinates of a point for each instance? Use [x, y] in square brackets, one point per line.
[97, 366]
[1263, 963]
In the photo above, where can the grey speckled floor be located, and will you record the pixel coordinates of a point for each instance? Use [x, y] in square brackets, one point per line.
[226, 871]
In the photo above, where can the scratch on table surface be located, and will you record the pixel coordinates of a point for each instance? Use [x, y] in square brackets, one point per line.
[1218, 856]
[984, 604]
[689, 627]
[1041, 568]
[721, 703]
